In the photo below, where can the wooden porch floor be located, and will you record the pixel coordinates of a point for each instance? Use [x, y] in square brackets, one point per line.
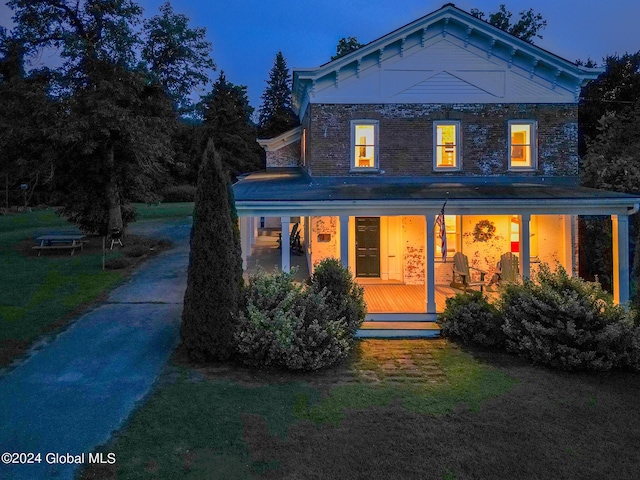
[395, 298]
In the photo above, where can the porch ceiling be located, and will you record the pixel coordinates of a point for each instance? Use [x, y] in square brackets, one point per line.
[292, 192]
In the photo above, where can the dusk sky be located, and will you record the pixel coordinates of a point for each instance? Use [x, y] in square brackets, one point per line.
[247, 34]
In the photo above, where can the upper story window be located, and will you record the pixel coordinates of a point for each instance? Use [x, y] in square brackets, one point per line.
[522, 145]
[364, 145]
[446, 145]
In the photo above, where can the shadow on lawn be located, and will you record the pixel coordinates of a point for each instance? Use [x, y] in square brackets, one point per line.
[413, 409]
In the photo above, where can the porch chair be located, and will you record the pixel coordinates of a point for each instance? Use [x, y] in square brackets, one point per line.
[509, 268]
[462, 276]
[295, 244]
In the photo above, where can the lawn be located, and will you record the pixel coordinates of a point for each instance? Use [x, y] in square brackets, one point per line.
[42, 294]
[408, 409]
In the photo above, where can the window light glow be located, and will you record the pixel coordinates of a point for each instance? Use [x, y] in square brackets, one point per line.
[365, 146]
[446, 147]
[521, 145]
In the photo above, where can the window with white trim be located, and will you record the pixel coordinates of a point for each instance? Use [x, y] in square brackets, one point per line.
[522, 145]
[446, 145]
[364, 144]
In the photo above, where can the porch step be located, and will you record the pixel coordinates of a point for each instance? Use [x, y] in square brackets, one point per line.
[399, 330]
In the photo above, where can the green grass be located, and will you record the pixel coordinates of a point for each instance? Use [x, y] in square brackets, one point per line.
[196, 425]
[163, 210]
[39, 293]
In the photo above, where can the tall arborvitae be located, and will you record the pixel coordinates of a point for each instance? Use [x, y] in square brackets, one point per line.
[215, 270]
[276, 115]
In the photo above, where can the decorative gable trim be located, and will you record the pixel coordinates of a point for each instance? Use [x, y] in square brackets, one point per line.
[282, 140]
[454, 26]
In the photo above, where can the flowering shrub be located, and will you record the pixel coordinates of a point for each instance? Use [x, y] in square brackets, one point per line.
[295, 327]
[470, 318]
[567, 323]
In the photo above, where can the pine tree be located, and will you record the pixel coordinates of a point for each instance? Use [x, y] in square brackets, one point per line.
[215, 269]
[276, 115]
[227, 120]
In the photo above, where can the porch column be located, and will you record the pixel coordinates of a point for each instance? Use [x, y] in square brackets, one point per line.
[244, 244]
[620, 230]
[525, 246]
[344, 241]
[430, 270]
[255, 221]
[569, 240]
[285, 250]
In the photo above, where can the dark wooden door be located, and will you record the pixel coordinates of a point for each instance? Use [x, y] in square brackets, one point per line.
[367, 246]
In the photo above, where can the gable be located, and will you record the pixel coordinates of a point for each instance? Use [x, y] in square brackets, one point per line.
[442, 71]
[447, 56]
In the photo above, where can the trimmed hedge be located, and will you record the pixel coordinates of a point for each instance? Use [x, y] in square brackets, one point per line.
[557, 320]
[471, 319]
[291, 326]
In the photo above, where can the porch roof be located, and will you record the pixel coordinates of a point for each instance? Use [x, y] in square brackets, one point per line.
[291, 191]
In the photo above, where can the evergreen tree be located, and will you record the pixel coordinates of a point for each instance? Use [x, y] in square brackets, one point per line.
[227, 120]
[214, 280]
[276, 115]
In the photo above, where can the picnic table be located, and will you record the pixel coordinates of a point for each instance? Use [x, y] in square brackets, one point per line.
[58, 241]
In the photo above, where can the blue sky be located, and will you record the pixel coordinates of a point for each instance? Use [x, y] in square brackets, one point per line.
[247, 34]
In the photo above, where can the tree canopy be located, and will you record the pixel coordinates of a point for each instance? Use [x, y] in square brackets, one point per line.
[227, 120]
[276, 115]
[346, 46]
[527, 27]
[120, 86]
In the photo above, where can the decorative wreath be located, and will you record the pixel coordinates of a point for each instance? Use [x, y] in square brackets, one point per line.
[484, 231]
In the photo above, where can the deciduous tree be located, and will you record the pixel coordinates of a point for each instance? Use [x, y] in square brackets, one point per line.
[346, 46]
[527, 27]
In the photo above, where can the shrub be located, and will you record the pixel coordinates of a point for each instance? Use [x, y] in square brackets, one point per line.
[290, 326]
[470, 318]
[179, 193]
[566, 323]
[345, 296]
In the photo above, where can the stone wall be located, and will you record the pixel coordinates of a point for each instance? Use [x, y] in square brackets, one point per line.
[406, 137]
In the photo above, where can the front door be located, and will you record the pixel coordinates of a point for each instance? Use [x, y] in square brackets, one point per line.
[368, 247]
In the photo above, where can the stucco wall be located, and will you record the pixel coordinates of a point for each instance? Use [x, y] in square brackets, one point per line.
[406, 137]
[413, 233]
[322, 250]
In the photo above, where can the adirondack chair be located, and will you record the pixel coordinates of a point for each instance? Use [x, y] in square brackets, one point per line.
[295, 245]
[509, 268]
[462, 275]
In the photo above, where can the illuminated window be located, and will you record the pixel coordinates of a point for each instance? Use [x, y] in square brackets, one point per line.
[446, 145]
[522, 145]
[303, 147]
[451, 225]
[364, 141]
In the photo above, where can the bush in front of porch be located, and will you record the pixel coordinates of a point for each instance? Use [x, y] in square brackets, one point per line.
[300, 327]
[472, 319]
[559, 321]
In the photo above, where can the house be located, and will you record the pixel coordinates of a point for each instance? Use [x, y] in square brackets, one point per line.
[445, 112]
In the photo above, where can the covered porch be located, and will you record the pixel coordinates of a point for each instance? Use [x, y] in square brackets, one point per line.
[533, 217]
